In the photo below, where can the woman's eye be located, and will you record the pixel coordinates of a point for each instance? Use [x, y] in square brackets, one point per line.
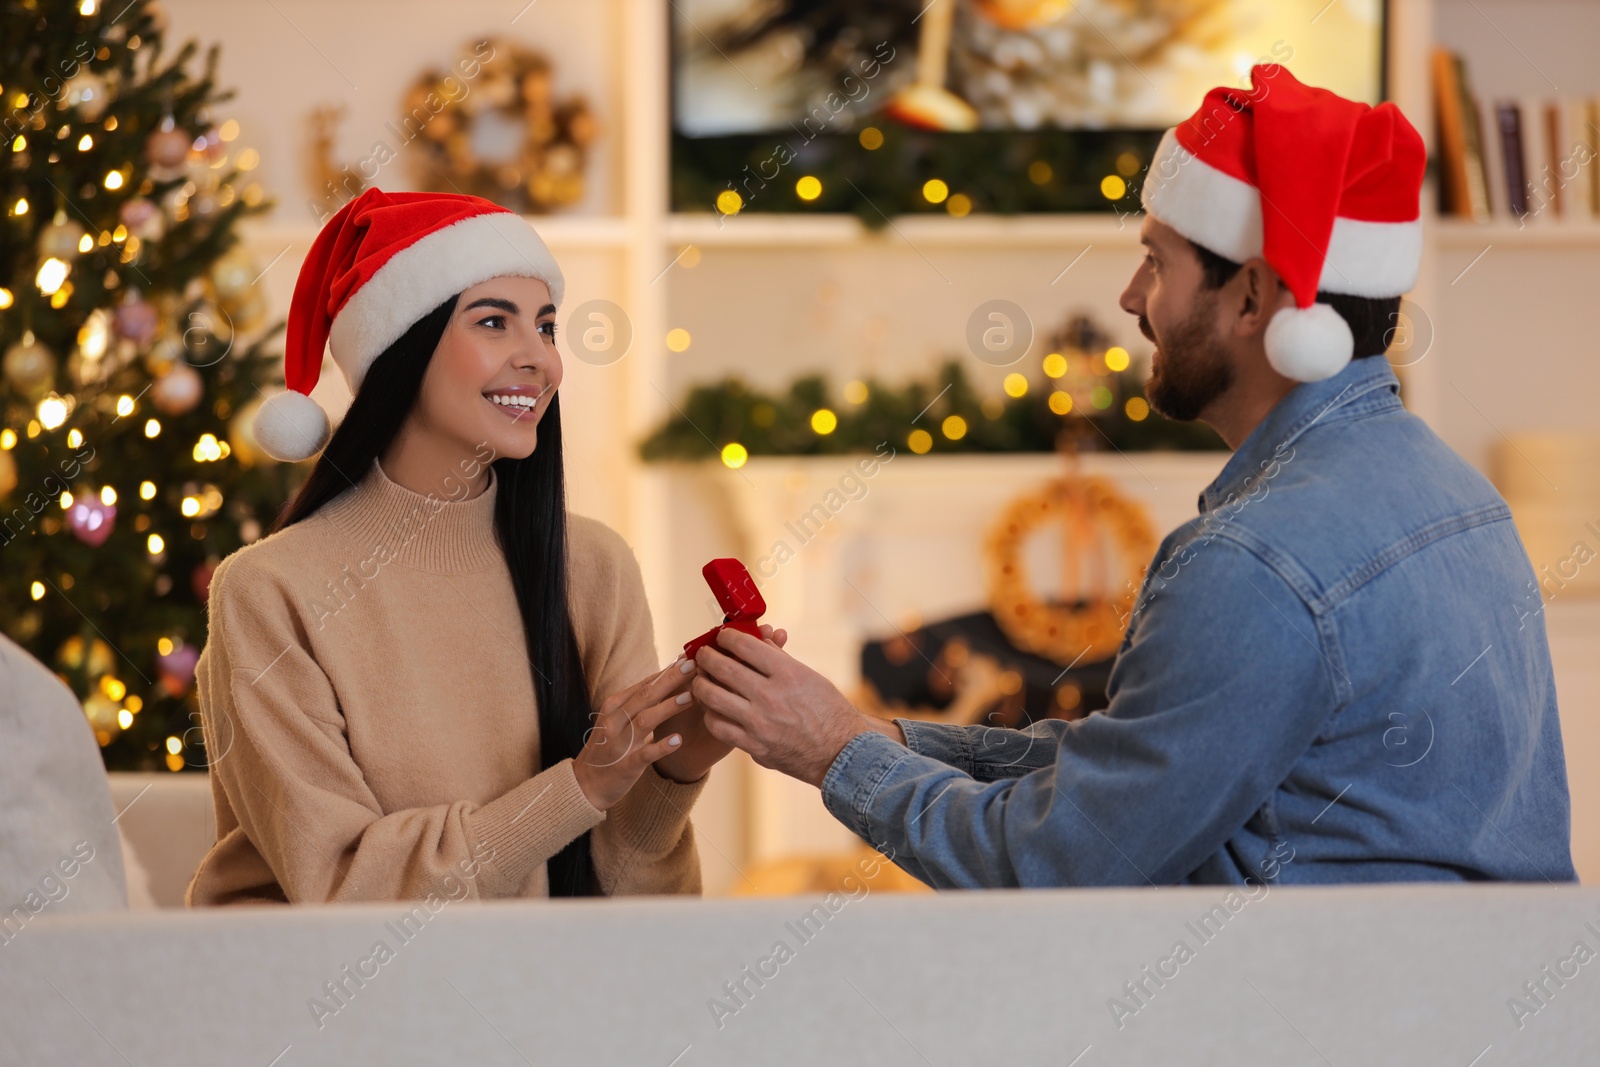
[500, 319]
[548, 329]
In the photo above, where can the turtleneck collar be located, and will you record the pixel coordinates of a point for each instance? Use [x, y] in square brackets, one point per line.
[428, 531]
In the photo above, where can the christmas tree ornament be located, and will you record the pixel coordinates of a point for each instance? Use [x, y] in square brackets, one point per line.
[233, 274]
[248, 311]
[101, 711]
[168, 148]
[176, 668]
[242, 437]
[178, 391]
[61, 239]
[30, 367]
[429, 246]
[162, 356]
[142, 218]
[86, 372]
[86, 92]
[8, 473]
[90, 520]
[136, 318]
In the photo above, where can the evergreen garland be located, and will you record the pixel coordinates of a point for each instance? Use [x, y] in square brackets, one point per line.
[728, 412]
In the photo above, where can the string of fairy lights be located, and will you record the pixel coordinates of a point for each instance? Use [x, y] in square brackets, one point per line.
[808, 189]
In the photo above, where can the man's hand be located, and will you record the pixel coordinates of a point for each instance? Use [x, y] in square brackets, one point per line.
[766, 702]
[700, 750]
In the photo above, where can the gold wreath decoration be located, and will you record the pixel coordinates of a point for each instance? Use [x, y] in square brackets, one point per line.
[542, 142]
[1089, 507]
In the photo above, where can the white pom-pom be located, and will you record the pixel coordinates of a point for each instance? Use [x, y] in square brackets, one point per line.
[1309, 344]
[291, 427]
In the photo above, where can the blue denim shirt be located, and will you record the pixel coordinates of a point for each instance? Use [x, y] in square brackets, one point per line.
[1337, 672]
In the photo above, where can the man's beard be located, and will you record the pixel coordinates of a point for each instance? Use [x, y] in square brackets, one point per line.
[1194, 368]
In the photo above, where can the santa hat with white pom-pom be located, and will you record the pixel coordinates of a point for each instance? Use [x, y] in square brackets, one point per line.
[1326, 190]
[381, 263]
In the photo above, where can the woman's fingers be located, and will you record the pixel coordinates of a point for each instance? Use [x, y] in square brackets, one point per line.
[647, 720]
[654, 751]
[672, 679]
[649, 691]
[609, 743]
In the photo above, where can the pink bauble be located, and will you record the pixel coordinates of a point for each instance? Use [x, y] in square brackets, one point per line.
[142, 218]
[137, 320]
[177, 669]
[90, 521]
[177, 391]
[168, 148]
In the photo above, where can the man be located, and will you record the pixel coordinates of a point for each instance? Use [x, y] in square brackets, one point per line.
[1337, 672]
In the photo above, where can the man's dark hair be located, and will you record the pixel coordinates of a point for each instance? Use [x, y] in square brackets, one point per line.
[1372, 320]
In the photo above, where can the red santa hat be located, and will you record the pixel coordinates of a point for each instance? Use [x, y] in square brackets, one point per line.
[1326, 190]
[382, 262]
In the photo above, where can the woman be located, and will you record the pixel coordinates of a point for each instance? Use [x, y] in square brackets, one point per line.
[369, 684]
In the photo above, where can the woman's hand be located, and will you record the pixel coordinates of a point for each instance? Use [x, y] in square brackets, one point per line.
[620, 744]
[700, 751]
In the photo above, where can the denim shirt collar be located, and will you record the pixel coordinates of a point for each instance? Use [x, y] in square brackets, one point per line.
[1364, 386]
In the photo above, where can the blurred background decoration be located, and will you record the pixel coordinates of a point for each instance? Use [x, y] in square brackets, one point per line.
[1028, 656]
[135, 348]
[1010, 105]
[1082, 393]
[503, 134]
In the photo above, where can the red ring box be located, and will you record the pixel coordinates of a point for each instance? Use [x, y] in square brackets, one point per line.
[738, 597]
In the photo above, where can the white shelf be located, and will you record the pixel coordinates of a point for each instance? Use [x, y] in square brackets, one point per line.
[1552, 233]
[575, 232]
[1002, 231]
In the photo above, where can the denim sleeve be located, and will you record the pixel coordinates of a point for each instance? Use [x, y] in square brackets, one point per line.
[987, 753]
[1225, 678]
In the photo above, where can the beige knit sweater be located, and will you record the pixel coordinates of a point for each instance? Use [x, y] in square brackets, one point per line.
[368, 709]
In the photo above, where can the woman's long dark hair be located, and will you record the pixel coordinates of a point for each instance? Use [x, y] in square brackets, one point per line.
[530, 516]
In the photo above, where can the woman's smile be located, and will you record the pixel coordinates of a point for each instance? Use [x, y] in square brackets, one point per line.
[515, 401]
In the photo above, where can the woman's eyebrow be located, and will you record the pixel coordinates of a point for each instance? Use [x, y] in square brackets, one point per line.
[494, 302]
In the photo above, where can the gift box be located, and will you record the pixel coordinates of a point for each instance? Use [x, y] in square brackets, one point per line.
[737, 596]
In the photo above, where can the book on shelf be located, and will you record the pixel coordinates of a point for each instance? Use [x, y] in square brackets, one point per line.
[1533, 161]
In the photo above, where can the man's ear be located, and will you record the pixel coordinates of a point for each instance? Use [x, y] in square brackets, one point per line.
[1256, 295]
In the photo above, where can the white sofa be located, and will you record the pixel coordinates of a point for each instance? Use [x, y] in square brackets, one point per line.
[1402, 975]
[168, 823]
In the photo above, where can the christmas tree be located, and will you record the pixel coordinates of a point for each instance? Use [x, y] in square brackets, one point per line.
[134, 342]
